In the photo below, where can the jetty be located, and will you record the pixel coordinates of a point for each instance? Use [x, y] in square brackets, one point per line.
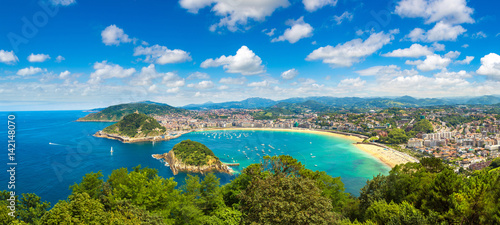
[231, 164]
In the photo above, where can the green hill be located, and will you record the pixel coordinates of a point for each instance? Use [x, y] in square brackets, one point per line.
[117, 112]
[136, 125]
[194, 153]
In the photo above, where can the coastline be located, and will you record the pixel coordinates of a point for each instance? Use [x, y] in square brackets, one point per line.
[388, 157]
[321, 132]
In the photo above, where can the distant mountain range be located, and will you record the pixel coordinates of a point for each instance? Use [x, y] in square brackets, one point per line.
[287, 106]
[347, 102]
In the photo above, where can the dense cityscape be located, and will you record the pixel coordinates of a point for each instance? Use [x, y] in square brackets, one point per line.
[465, 137]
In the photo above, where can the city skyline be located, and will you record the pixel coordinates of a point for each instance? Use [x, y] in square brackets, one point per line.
[73, 54]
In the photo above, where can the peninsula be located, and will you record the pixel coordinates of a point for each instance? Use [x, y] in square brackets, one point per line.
[192, 156]
[135, 127]
[117, 112]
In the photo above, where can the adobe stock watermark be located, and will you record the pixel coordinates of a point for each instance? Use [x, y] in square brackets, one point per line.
[381, 19]
[31, 26]
[11, 164]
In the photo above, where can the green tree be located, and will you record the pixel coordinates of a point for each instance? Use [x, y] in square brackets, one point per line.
[381, 212]
[30, 208]
[91, 184]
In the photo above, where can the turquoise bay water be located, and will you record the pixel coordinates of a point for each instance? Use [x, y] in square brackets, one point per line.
[53, 152]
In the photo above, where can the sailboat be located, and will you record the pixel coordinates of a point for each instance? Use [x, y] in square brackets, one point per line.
[111, 150]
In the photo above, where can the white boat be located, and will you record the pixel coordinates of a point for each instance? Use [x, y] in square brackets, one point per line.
[111, 150]
[313, 156]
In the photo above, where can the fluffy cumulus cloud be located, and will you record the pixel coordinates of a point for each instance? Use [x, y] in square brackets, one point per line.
[8, 57]
[30, 71]
[440, 32]
[352, 83]
[264, 83]
[431, 62]
[64, 75]
[233, 81]
[345, 16]
[235, 13]
[449, 11]
[205, 84]
[114, 35]
[289, 74]
[59, 59]
[198, 76]
[313, 5]
[244, 62]
[173, 80]
[346, 54]
[146, 76]
[105, 70]
[414, 51]
[465, 61]
[162, 55]
[38, 57]
[490, 65]
[298, 30]
[63, 2]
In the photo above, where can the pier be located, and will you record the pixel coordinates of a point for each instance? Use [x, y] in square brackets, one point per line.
[232, 164]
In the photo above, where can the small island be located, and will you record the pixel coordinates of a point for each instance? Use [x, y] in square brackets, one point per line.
[135, 127]
[192, 156]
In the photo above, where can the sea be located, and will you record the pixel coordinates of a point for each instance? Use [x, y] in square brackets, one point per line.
[53, 152]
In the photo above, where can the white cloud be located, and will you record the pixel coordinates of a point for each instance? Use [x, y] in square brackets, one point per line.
[465, 45]
[173, 80]
[235, 13]
[452, 54]
[438, 47]
[414, 51]
[344, 16]
[467, 60]
[223, 87]
[431, 62]
[114, 35]
[162, 55]
[38, 57]
[64, 75]
[153, 88]
[8, 57]
[449, 11]
[198, 75]
[352, 83]
[63, 2]
[298, 30]
[440, 32]
[263, 83]
[59, 59]
[351, 52]
[289, 74]
[30, 71]
[462, 74]
[490, 65]
[269, 33]
[146, 76]
[245, 62]
[385, 73]
[233, 81]
[105, 70]
[479, 35]
[206, 84]
[313, 5]
[173, 90]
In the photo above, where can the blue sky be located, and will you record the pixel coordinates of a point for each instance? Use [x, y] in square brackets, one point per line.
[75, 54]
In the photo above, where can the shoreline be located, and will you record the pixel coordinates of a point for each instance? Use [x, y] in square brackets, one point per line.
[321, 132]
[388, 157]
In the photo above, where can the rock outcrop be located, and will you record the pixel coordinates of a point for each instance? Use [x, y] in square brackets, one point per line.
[176, 165]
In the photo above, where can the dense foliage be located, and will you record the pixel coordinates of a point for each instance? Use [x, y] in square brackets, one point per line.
[277, 191]
[117, 112]
[136, 125]
[194, 153]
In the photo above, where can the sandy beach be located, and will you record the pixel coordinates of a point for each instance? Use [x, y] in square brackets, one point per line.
[389, 157]
[320, 132]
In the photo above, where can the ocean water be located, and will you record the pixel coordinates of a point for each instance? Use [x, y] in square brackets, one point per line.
[53, 152]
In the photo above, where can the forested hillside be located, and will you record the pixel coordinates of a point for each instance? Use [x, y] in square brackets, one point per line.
[277, 191]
